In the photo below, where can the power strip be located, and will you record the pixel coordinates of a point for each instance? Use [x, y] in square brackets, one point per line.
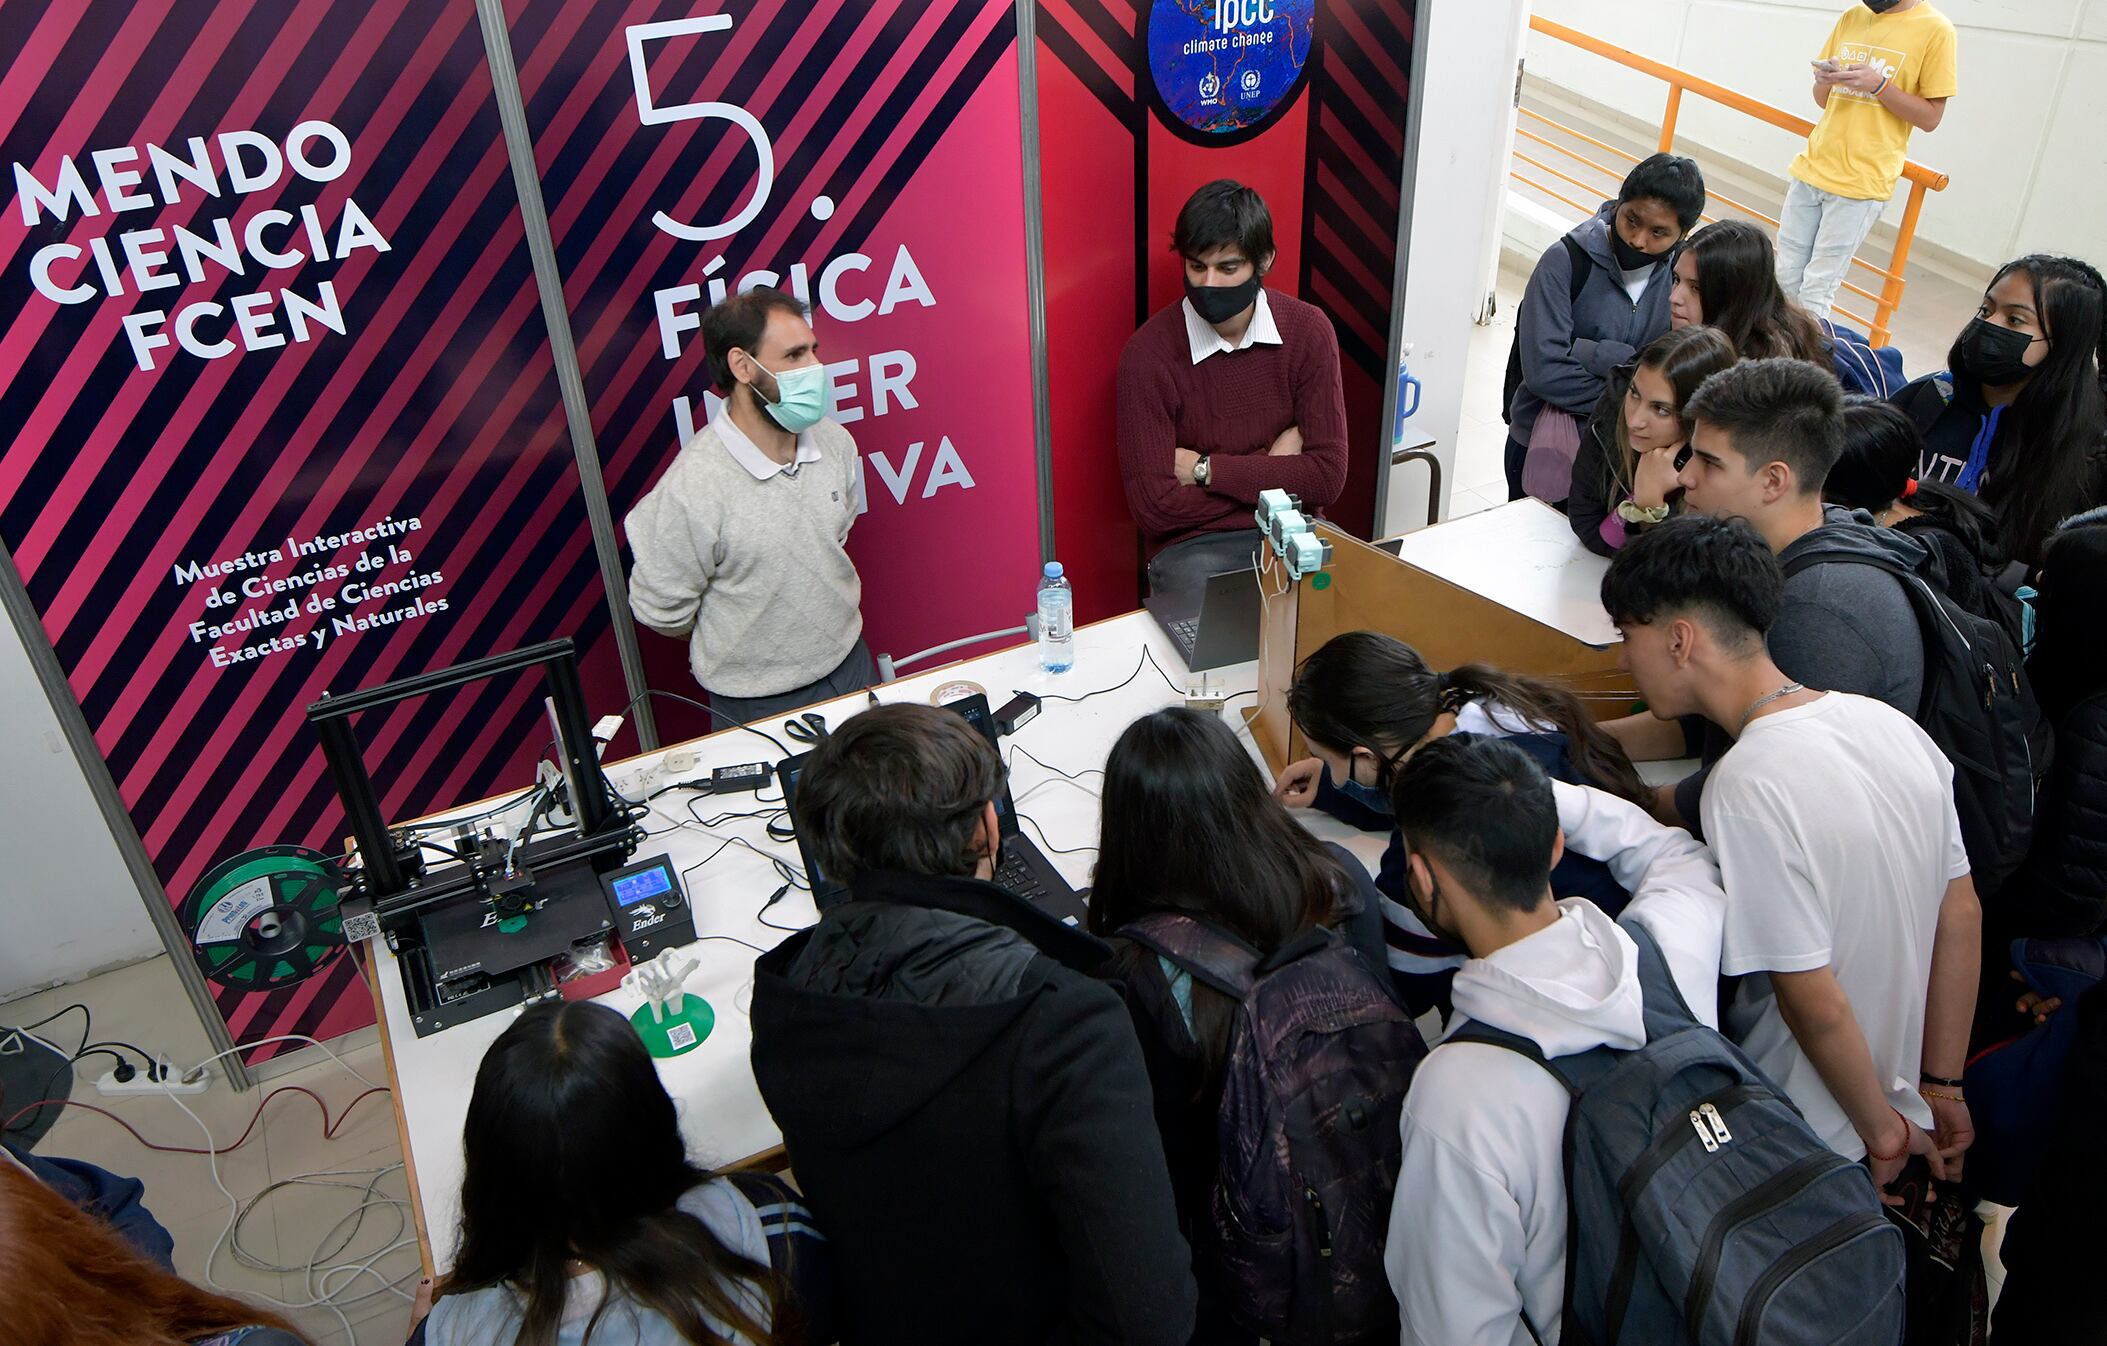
[172, 1083]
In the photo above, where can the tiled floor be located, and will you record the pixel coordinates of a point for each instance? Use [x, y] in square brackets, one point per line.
[144, 1005]
[1481, 440]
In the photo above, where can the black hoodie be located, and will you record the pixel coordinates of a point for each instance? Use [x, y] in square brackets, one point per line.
[967, 1112]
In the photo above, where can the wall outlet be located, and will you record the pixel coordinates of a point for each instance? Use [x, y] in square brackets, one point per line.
[171, 1083]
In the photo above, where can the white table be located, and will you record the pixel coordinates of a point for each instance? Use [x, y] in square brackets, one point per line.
[720, 1107]
[1522, 555]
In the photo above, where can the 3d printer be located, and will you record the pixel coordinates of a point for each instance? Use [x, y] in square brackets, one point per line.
[481, 929]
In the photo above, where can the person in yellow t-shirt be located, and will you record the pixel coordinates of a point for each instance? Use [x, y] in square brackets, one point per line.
[1886, 71]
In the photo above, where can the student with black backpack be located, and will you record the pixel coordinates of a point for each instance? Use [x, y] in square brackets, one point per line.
[1851, 917]
[1223, 914]
[1585, 1158]
[1764, 437]
[1858, 614]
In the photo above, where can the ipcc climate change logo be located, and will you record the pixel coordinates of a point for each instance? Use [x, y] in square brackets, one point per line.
[1224, 69]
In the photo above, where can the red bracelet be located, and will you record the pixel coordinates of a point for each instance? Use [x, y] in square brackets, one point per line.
[1891, 1158]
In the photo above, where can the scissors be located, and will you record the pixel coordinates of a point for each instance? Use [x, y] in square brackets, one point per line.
[808, 728]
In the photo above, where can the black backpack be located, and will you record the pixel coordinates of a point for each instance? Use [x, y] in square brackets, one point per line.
[1978, 707]
[1701, 1207]
[1320, 1056]
[1578, 257]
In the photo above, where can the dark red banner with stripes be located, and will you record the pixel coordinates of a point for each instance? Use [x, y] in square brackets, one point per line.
[865, 155]
[1118, 162]
[280, 414]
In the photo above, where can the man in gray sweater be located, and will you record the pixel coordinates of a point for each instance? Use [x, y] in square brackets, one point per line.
[1766, 434]
[740, 546]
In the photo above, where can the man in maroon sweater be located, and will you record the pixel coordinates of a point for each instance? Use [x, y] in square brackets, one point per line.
[1231, 391]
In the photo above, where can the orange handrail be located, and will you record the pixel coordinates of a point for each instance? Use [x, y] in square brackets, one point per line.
[1921, 178]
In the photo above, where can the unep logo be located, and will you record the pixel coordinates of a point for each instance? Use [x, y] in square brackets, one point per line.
[1222, 70]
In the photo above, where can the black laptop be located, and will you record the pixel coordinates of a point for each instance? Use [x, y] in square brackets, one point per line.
[1215, 625]
[1024, 872]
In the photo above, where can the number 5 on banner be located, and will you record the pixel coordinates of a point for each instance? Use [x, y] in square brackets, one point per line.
[652, 115]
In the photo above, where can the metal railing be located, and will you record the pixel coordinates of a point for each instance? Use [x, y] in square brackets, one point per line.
[1878, 327]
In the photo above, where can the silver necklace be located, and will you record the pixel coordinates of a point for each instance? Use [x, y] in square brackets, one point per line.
[1760, 702]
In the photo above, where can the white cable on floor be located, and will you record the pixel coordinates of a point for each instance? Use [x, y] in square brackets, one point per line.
[284, 1037]
[323, 1297]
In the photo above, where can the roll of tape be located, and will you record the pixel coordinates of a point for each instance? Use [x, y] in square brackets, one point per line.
[955, 691]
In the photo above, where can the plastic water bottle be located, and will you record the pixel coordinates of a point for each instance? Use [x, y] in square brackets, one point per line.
[1056, 621]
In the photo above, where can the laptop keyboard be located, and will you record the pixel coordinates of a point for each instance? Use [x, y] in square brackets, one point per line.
[1187, 634]
[1015, 876]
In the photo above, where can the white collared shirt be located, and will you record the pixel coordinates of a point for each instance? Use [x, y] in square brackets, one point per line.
[1206, 341]
[749, 456]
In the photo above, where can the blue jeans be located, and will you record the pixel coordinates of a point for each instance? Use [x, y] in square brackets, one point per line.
[1818, 234]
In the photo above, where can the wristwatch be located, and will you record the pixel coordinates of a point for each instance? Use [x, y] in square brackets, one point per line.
[1633, 512]
[1201, 471]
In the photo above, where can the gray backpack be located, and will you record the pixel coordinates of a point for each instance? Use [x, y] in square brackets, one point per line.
[1701, 1207]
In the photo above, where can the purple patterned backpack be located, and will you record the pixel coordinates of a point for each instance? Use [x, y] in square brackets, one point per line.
[1318, 1061]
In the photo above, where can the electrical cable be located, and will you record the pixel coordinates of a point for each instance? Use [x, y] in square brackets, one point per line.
[790, 874]
[715, 713]
[324, 1298]
[188, 1075]
[87, 1021]
[537, 788]
[141, 1052]
[761, 916]
[329, 1128]
[1148, 658]
[730, 939]
[1018, 750]
[1044, 844]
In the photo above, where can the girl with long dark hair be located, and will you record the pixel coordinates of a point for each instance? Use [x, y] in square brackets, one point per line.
[1363, 701]
[583, 1223]
[2018, 414]
[1189, 827]
[1624, 476]
[1726, 277]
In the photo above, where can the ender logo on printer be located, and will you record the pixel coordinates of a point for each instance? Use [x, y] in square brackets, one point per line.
[1223, 70]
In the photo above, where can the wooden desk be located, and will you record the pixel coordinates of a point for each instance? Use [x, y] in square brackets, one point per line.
[1511, 587]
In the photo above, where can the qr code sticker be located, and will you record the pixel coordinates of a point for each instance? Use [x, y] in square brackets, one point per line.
[682, 1037]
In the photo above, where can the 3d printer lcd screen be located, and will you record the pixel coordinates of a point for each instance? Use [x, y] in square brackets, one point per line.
[653, 882]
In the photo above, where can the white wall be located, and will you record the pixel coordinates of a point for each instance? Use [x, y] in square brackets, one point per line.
[2025, 140]
[67, 905]
[1460, 180]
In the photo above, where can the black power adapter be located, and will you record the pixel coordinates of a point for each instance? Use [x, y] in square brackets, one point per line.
[1016, 713]
[726, 780]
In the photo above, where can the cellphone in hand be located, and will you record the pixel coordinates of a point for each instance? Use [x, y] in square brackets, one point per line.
[1831, 65]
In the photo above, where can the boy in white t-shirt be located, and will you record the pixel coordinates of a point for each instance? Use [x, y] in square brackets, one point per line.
[1851, 917]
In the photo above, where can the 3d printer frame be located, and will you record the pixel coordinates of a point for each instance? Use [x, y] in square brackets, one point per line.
[394, 894]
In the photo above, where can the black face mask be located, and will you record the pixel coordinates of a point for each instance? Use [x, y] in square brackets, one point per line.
[1630, 258]
[1881, 6]
[1994, 356]
[1217, 304]
[1424, 910]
